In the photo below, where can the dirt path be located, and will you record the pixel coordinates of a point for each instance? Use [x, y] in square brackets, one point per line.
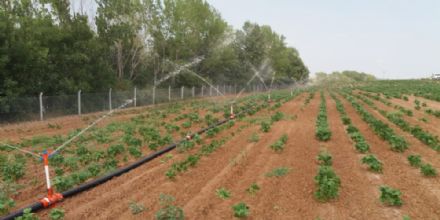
[420, 195]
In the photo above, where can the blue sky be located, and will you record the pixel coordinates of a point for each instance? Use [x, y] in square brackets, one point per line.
[388, 38]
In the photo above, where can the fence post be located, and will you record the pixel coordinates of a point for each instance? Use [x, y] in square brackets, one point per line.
[169, 93]
[181, 92]
[79, 102]
[154, 95]
[193, 91]
[40, 97]
[218, 90]
[134, 97]
[235, 89]
[110, 99]
[210, 91]
[202, 90]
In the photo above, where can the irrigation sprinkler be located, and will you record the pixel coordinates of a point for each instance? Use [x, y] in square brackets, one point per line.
[232, 116]
[52, 198]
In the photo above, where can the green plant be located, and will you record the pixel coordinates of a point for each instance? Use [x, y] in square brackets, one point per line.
[253, 188]
[135, 151]
[405, 217]
[27, 215]
[323, 132]
[362, 147]
[373, 163]
[328, 184]
[390, 196]
[168, 210]
[187, 124]
[278, 172]
[6, 203]
[265, 126]
[56, 214]
[428, 170]
[241, 210]
[115, 149]
[136, 208]
[279, 144]
[223, 193]
[325, 158]
[415, 160]
[277, 116]
[254, 137]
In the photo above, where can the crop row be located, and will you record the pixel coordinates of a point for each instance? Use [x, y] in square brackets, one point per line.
[361, 145]
[323, 132]
[397, 143]
[377, 97]
[327, 182]
[429, 139]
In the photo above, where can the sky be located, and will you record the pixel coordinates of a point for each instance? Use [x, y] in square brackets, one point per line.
[391, 39]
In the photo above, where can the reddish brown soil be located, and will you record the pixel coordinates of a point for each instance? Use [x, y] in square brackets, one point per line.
[239, 163]
[420, 195]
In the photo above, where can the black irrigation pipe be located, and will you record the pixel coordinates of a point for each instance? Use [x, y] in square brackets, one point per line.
[37, 206]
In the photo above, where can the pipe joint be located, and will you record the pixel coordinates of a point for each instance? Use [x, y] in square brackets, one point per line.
[51, 200]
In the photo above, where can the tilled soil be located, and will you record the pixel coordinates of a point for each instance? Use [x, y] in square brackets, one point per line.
[239, 163]
[419, 194]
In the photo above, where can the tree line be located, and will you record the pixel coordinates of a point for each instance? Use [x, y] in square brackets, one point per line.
[46, 46]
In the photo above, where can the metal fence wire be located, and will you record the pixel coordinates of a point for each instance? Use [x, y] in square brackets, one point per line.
[19, 109]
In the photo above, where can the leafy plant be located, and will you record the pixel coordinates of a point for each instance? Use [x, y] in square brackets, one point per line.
[168, 210]
[373, 163]
[328, 184]
[254, 137]
[428, 170]
[241, 210]
[277, 116]
[323, 132]
[223, 193]
[27, 215]
[415, 160]
[136, 208]
[56, 214]
[325, 158]
[278, 172]
[279, 144]
[390, 196]
[253, 188]
[265, 126]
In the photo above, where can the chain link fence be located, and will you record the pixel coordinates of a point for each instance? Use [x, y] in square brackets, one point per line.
[43, 107]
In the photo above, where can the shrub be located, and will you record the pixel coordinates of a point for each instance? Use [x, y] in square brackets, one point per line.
[428, 170]
[241, 210]
[325, 158]
[6, 203]
[223, 193]
[415, 160]
[390, 196]
[323, 132]
[168, 209]
[373, 163]
[12, 171]
[56, 214]
[328, 184]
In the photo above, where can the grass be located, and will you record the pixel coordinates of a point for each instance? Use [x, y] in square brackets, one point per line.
[278, 172]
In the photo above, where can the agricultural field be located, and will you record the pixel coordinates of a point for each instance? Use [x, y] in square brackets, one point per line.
[370, 151]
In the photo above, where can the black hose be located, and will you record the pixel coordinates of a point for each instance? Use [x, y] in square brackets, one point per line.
[35, 207]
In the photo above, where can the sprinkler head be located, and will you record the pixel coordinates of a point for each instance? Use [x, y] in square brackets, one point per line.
[188, 137]
[232, 116]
